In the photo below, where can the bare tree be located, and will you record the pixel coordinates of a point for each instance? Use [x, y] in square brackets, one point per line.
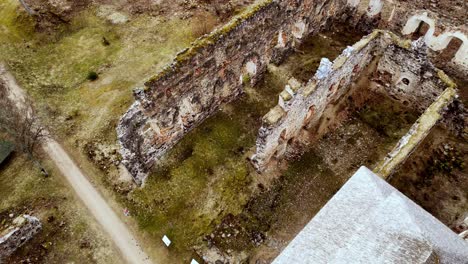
[21, 124]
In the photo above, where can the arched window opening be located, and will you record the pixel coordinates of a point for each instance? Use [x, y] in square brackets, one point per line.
[282, 137]
[309, 116]
[421, 31]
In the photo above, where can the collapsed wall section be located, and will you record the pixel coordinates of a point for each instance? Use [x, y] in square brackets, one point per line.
[301, 106]
[416, 135]
[407, 75]
[451, 11]
[442, 24]
[403, 71]
[213, 71]
[22, 229]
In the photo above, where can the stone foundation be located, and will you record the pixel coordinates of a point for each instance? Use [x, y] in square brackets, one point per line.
[440, 23]
[22, 229]
[216, 67]
[214, 71]
[403, 71]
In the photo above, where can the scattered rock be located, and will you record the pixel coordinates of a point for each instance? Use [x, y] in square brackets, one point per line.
[50, 219]
[46, 245]
[16, 234]
[85, 244]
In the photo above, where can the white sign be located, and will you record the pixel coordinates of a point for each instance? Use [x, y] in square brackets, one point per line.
[166, 241]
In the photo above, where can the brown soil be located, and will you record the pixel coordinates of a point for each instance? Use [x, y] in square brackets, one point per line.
[67, 231]
[435, 176]
[49, 15]
[367, 126]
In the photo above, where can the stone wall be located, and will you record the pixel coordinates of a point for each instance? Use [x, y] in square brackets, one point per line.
[442, 22]
[441, 37]
[453, 12]
[215, 68]
[408, 76]
[416, 135]
[300, 106]
[402, 70]
[22, 229]
[213, 71]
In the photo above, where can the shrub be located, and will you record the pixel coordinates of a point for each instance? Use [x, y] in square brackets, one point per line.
[105, 42]
[92, 76]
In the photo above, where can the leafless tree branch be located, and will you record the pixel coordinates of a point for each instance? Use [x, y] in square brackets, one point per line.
[21, 124]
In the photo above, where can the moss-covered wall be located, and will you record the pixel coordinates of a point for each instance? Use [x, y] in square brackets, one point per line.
[213, 71]
[416, 135]
[403, 71]
[301, 105]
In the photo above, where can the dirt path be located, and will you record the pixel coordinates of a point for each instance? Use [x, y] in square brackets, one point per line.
[111, 223]
[91, 198]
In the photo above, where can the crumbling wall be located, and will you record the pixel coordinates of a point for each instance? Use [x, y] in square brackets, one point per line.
[415, 82]
[22, 229]
[416, 135]
[396, 12]
[453, 12]
[403, 71]
[301, 106]
[440, 37]
[439, 22]
[213, 71]
[408, 76]
[215, 68]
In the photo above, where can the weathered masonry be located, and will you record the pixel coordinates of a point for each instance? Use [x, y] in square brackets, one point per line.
[442, 24]
[215, 68]
[402, 70]
[213, 71]
[15, 234]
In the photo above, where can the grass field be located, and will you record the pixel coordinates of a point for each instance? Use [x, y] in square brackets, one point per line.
[53, 67]
[69, 233]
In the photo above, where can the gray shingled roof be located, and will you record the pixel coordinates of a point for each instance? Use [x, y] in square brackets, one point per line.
[369, 221]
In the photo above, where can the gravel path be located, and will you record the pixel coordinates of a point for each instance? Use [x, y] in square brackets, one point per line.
[92, 199]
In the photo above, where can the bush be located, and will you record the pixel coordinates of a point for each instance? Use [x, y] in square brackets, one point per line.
[92, 76]
[105, 42]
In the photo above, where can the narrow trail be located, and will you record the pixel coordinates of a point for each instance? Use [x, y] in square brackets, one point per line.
[92, 199]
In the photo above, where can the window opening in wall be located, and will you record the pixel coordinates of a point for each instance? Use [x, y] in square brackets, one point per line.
[309, 116]
[449, 52]
[282, 136]
[420, 31]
